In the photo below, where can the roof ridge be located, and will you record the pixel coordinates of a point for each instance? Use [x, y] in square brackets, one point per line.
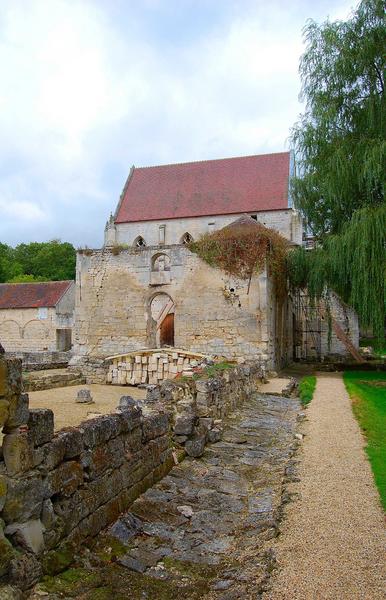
[35, 282]
[195, 162]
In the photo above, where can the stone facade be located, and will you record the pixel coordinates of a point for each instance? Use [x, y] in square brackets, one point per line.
[212, 312]
[172, 231]
[42, 329]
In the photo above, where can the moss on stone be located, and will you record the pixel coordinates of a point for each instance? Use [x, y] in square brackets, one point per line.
[56, 561]
[71, 582]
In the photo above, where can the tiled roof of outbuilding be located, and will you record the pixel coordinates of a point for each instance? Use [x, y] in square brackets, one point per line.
[212, 187]
[32, 295]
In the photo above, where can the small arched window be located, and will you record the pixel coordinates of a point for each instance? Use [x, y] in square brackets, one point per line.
[186, 238]
[139, 242]
[160, 262]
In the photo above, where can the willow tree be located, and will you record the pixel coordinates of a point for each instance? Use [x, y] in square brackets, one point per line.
[340, 144]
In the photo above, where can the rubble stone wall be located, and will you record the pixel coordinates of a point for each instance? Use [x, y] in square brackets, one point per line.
[56, 490]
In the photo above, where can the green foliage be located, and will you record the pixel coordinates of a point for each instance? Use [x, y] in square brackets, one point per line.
[352, 264]
[244, 248]
[45, 261]
[340, 139]
[368, 393]
[379, 346]
[306, 389]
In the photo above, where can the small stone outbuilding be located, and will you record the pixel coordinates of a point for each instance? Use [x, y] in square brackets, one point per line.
[37, 316]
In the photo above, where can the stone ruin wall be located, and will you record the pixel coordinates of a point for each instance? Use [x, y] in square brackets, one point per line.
[57, 490]
[214, 313]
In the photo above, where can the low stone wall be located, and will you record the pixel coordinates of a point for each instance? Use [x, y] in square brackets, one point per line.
[39, 361]
[36, 381]
[58, 490]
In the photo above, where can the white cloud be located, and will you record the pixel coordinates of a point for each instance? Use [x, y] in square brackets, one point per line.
[83, 97]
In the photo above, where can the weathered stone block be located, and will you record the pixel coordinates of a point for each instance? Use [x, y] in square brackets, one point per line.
[154, 426]
[73, 442]
[28, 535]
[184, 425]
[18, 412]
[24, 499]
[17, 453]
[25, 570]
[48, 515]
[214, 435]
[41, 425]
[64, 480]
[196, 446]
[130, 419]
[54, 452]
[99, 430]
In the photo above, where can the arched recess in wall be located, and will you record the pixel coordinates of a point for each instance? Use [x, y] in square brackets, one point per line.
[160, 262]
[162, 311]
[9, 330]
[35, 330]
[139, 242]
[187, 238]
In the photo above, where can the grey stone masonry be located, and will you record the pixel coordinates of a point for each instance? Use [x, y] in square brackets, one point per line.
[58, 489]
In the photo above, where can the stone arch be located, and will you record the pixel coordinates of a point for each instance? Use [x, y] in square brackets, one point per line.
[10, 330]
[160, 262]
[139, 242]
[161, 309]
[35, 329]
[187, 238]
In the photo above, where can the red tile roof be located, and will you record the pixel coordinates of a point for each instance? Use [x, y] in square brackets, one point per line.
[32, 295]
[212, 187]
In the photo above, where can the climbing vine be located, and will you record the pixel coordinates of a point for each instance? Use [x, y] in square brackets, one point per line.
[244, 248]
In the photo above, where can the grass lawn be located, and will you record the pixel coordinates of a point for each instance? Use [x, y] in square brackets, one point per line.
[368, 394]
[306, 389]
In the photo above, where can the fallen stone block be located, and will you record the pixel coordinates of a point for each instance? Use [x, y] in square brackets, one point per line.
[215, 435]
[196, 446]
[84, 396]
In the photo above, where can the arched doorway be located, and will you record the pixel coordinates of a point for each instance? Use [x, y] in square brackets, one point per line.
[162, 316]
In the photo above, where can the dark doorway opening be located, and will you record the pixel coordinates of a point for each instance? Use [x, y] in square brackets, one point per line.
[167, 331]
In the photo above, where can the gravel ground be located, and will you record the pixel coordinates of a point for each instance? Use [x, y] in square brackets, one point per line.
[69, 413]
[333, 542]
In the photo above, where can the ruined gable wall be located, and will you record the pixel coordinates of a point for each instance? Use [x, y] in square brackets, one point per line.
[287, 222]
[114, 295]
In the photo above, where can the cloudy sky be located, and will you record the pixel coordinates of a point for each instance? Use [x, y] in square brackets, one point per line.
[90, 87]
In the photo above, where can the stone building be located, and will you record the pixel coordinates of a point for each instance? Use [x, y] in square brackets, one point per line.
[37, 316]
[146, 289]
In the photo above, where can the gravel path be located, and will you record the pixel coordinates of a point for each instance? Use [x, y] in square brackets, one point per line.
[333, 542]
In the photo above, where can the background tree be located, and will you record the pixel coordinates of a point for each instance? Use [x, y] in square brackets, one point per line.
[340, 145]
[37, 261]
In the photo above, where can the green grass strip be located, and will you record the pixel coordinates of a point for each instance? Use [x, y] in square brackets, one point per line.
[368, 393]
[306, 389]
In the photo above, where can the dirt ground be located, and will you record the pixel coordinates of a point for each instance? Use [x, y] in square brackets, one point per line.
[69, 413]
